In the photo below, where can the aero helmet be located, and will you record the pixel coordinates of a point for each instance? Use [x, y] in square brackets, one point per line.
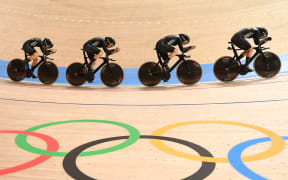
[184, 38]
[263, 31]
[48, 42]
[110, 40]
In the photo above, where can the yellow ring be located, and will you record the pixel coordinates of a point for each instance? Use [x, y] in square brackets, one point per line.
[276, 147]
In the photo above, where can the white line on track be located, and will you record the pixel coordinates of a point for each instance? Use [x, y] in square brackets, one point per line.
[92, 20]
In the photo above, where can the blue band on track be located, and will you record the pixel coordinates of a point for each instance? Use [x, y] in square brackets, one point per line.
[131, 74]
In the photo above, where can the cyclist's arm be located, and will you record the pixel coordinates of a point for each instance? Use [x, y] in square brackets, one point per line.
[186, 49]
[45, 51]
[180, 45]
[256, 38]
[115, 50]
[52, 50]
[106, 50]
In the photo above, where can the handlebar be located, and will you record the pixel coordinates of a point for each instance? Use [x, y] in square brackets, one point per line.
[183, 55]
[262, 48]
[46, 57]
[49, 58]
[230, 48]
[189, 48]
[263, 41]
[107, 58]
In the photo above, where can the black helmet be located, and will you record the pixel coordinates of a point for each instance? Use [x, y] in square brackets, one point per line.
[48, 42]
[184, 38]
[110, 40]
[263, 31]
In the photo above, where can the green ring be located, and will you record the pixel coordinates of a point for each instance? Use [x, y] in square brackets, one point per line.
[21, 140]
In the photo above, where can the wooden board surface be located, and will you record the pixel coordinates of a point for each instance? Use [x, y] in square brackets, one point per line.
[137, 25]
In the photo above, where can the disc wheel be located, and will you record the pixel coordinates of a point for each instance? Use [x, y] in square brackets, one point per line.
[47, 73]
[16, 70]
[226, 69]
[76, 74]
[150, 74]
[189, 72]
[267, 64]
[112, 75]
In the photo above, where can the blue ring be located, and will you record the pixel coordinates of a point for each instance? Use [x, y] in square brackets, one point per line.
[234, 157]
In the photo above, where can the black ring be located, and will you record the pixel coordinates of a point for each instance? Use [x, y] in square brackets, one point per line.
[69, 162]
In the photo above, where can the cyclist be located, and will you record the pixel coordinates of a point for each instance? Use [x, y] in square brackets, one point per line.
[166, 51]
[239, 39]
[91, 47]
[32, 55]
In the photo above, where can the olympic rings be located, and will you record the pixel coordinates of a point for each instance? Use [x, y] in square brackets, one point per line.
[52, 145]
[234, 157]
[208, 161]
[69, 162]
[277, 142]
[21, 140]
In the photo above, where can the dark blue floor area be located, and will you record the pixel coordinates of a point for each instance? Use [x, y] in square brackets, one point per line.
[131, 74]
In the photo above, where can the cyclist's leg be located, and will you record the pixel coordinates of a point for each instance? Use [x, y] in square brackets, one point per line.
[90, 76]
[96, 56]
[241, 43]
[248, 50]
[32, 55]
[169, 49]
[249, 56]
[93, 54]
[164, 56]
[173, 53]
[161, 52]
[34, 58]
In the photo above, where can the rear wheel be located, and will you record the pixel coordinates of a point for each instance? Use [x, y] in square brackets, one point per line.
[17, 69]
[112, 75]
[76, 74]
[150, 74]
[226, 69]
[189, 72]
[48, 72]
[267, 64]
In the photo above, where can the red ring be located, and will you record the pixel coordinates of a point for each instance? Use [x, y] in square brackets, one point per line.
[52, 145]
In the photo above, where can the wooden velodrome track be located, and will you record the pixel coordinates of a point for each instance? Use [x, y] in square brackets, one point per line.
[220, 109]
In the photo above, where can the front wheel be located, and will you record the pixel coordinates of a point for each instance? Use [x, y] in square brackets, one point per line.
[112, 75]
[150, 74]
[267, 64]
[48, 72]
[76, 74]
[226, 69]
[189, 72]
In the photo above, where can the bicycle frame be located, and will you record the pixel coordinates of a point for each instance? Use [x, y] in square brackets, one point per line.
[43, 60]
[105, 59]
[180, 56]
[259, 50]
